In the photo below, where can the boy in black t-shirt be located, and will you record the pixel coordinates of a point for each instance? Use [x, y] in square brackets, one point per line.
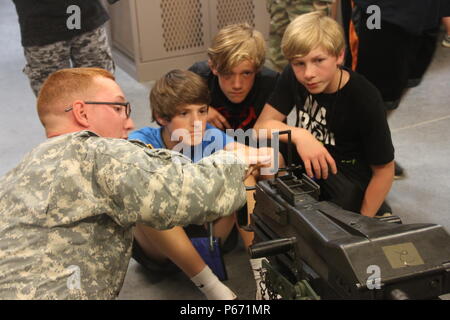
[239, 83]
[341, 121]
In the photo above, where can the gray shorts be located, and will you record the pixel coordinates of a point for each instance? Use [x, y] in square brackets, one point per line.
[90, 49]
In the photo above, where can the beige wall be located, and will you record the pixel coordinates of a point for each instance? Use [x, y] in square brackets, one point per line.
[152, 37]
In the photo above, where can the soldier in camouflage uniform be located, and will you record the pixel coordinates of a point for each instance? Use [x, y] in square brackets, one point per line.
[282, 12]
[67, 210]
[52, 39]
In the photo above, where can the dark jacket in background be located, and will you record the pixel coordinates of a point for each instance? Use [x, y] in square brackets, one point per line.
[414, 16]
[45, 21]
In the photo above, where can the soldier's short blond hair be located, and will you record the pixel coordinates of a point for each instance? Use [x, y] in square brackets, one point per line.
[310, 31]
[234, 44]
[63, 86]
[176, 89]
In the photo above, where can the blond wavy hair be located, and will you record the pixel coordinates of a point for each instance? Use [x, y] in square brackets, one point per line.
[310, 31]
[234, 44]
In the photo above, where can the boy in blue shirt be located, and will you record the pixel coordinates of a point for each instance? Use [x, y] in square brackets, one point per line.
[179, 102]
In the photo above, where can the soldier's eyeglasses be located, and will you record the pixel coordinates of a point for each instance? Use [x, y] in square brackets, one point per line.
[110, 104]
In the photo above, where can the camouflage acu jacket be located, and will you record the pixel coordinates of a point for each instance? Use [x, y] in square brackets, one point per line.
[67, 211]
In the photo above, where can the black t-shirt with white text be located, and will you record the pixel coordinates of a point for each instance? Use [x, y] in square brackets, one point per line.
[239, 115]
[351, 123]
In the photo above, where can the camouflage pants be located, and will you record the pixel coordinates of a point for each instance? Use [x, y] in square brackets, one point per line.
[90, 49]
[282, 12]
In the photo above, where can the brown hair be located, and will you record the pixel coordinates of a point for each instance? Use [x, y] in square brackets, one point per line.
[176, 89]
[64, 85]
[234, 44]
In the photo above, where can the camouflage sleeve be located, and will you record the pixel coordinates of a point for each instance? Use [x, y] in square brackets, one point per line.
[163, 189]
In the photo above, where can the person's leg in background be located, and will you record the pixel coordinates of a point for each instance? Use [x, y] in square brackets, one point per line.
[41, 61]
[383, 56]
[422, 52]
[279, 20]
[92, 49]
[282, 12]
[381, 59]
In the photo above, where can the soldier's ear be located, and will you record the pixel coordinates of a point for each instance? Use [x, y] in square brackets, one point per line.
[79, 112]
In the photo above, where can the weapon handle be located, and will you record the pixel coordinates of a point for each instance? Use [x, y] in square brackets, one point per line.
[271, 248]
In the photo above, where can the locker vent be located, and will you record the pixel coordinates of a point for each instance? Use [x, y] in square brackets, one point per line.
[182, 24]
[235, 11]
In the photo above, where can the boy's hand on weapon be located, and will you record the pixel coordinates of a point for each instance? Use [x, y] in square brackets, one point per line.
[217, 120]
[260, 158]
[256, 158]
[315, 156]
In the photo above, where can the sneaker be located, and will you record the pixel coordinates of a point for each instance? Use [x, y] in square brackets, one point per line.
[383, 215]
[412, 83]
[399, 171]
[392, 105]
[446, 41]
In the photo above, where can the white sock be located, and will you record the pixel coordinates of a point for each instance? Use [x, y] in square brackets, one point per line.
[210, 285]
